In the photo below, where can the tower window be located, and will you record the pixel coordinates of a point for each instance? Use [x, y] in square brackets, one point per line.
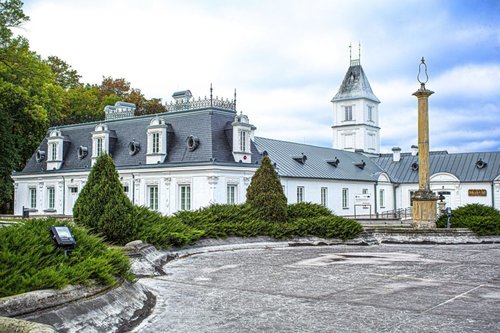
[348, 112]
[370, 113]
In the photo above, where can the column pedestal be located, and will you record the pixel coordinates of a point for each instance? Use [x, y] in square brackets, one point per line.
[424, 210]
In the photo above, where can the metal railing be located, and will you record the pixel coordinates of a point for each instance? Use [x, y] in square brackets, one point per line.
[202, 103]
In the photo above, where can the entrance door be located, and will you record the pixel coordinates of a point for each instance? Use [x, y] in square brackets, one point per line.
[72, 196]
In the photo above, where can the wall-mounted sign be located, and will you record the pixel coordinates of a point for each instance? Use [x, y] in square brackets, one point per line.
[362, 199]
[477, 193]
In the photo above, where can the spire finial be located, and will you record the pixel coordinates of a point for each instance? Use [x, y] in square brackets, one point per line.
[211, 93]
[424, 66]
[359, 51]
[234, 99]
[350, 52]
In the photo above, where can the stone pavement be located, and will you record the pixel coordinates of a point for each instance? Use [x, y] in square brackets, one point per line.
[383, 288]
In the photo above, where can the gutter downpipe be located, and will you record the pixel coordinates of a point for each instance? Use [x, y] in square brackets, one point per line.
[493, 194]
[64, 195]
[375, 199]
[133, 189]
[396, 185]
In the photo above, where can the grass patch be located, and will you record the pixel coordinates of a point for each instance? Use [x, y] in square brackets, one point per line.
[30, 261]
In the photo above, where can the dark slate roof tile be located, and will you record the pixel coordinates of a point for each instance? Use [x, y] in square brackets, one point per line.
[206, 124]
[316, 166]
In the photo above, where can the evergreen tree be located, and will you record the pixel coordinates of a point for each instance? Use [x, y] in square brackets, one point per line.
[102, 205]
[266, 194]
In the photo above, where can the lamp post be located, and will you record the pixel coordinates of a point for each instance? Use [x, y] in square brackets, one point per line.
[424, 200]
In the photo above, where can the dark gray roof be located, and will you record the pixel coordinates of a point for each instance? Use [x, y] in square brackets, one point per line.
[209, 125]
[462, 165]
[355, 85]
[286, 156]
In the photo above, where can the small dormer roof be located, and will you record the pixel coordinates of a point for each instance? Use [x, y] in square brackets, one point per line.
[355, 85]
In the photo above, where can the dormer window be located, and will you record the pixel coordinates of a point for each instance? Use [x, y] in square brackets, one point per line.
[243, 141]
[99, 146]
[157, 141]
[100, 141]
[53, 151]
[55, 144]
[242, 134]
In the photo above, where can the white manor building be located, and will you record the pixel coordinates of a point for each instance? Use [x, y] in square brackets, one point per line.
[203, 151]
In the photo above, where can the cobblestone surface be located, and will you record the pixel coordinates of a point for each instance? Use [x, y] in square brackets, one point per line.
[386, 288]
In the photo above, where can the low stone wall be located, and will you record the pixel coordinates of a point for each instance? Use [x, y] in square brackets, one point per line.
[426, 236]
[117, 310]
[11, 325]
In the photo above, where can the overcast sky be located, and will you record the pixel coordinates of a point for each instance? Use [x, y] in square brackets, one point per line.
[287, 59]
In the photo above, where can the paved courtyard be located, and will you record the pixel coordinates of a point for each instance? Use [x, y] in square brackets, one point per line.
[386, 288]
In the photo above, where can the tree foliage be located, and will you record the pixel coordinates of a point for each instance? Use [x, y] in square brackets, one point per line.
[66, 76]
[266, 194]
[103, 207]
[37, 93]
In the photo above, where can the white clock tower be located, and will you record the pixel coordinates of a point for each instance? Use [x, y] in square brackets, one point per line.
[355, 113]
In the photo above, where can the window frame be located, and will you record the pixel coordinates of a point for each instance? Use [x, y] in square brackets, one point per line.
[348, 113]
[153, 195]
[370, 113]
[51, 197]
[155, 142]
[324, 196]
[231, 191]
[345, 198]
[243, 141]
[184, 198]
[300, 194]
[99, 144]
[382, 197]
[33, 195]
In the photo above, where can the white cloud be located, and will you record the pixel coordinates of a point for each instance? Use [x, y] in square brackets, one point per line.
[286, 58]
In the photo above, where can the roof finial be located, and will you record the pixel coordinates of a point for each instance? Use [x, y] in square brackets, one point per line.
[234, 99]
[422, 82]
[211, 93]
[350, 52]
[359, 51]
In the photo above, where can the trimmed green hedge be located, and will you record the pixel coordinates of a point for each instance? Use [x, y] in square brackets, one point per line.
[163, 231]
[29, 260]
[221, 221]
[482, 220]
[306, 210]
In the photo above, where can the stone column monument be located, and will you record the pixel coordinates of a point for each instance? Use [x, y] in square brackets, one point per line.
[424, 200]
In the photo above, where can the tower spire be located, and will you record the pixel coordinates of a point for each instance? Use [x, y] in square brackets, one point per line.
[359, 52]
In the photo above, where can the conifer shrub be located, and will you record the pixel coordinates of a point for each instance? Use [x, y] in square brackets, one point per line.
[29, 259]
[481, 219]
[164, 231]
[265, 193]
[103, 207]
[307, 210]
